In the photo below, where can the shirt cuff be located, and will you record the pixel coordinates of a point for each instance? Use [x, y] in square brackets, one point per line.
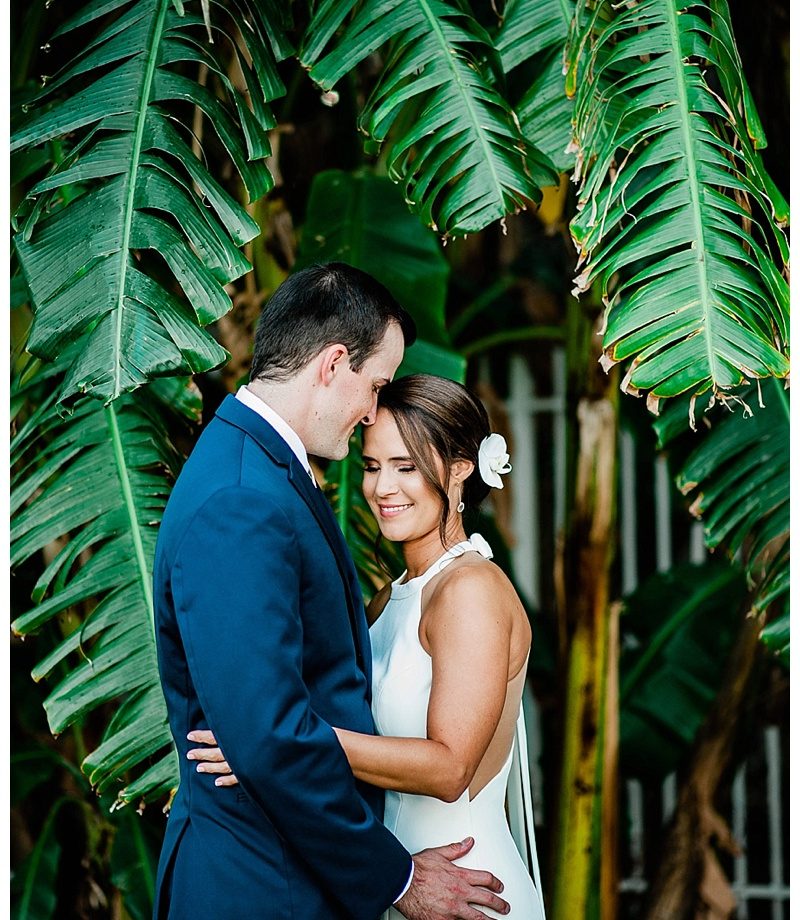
[407, 885]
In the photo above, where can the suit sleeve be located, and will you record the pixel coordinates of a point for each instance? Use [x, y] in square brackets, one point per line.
[237, 593]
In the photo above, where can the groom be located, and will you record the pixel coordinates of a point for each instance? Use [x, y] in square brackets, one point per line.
[262, 637]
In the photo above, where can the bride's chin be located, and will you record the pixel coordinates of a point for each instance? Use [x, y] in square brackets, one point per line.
[390, 530]
[395, 531]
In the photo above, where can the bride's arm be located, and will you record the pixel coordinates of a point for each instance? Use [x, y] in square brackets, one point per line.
[467, 632]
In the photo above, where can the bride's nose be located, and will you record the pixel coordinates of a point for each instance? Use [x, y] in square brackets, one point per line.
[385, 484]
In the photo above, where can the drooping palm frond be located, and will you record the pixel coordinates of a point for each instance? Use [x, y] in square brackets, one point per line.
[738, 481]
[142, 187]
[676, 223]
[534, 33]
[742, 107]
[94, 486]
[457, 147]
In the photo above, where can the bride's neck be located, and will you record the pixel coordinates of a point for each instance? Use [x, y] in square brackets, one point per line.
[420, 553]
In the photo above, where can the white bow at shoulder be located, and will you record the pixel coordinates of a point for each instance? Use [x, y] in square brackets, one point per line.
[480, 544]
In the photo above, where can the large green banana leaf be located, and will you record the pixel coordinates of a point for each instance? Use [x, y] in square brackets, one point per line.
[94, 485]
[738, 480]
[742, 107]
[677, 223]
[142, 187]
[679, 627]
[361, 219]
[533, 35]
[455, 144]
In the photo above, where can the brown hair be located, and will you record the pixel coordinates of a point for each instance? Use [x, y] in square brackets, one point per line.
[437, 416]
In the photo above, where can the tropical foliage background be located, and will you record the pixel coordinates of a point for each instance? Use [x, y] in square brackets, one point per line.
[520, 175]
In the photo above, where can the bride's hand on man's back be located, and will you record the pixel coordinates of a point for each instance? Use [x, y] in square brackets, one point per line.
[210, 758]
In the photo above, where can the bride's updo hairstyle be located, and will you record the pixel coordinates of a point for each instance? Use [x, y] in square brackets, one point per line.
[439, 417]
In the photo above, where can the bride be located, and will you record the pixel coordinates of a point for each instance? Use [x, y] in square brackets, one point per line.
[450, 638]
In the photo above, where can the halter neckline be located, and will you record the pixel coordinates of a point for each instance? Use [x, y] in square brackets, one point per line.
[475, 542]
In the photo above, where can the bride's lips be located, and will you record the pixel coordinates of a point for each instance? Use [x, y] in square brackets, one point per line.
[390, 511]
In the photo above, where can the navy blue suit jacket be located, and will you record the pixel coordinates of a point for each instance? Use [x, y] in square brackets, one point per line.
[262, 638]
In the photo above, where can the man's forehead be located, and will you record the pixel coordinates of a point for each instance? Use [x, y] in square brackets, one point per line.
[393, 345]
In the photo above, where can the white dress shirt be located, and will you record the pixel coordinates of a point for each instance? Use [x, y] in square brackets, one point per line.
[291, 437]
[283, 428]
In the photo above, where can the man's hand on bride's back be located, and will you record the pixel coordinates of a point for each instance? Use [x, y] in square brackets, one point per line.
[210, 758]
[440, 890]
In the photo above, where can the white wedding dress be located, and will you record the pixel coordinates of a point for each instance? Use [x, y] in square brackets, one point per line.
[401, 686]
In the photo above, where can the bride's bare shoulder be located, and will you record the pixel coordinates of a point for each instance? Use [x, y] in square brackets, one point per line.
[472, 583]
[475, 597]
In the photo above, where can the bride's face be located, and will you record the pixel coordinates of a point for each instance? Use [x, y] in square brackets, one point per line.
[403, 503]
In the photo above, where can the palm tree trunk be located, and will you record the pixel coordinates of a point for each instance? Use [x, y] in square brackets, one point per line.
[609, 863]
[585, 826]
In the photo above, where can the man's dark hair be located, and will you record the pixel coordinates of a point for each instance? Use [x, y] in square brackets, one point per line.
[320, 306]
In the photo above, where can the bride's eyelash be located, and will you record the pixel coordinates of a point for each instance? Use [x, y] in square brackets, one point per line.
[406, 469]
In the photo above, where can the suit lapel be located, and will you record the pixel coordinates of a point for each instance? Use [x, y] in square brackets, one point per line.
[236, 413]
[323, 512]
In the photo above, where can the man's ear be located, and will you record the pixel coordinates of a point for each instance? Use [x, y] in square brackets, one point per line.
[461, 470]
[332, 360]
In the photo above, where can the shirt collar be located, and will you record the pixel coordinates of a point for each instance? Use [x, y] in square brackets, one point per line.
[282, 427]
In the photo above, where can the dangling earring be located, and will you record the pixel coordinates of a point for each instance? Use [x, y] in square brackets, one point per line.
[460, 507]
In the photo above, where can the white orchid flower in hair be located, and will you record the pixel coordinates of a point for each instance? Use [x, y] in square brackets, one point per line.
[493, 460]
